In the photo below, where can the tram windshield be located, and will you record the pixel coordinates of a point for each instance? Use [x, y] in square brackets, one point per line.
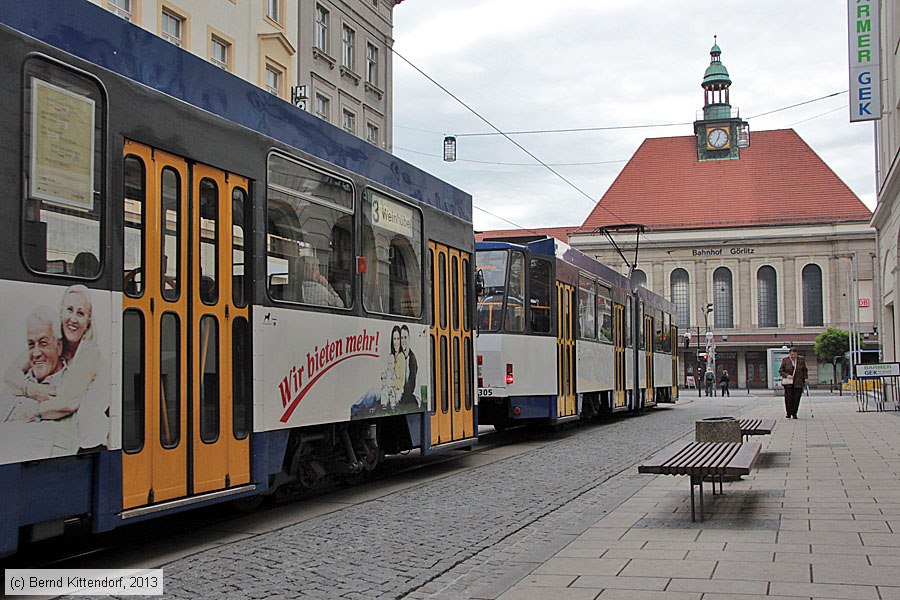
[493, 266]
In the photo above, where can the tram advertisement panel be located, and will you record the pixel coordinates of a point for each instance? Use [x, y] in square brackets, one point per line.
[55, 395]
[322, 368]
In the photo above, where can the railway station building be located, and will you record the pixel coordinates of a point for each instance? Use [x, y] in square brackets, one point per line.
[754, 238]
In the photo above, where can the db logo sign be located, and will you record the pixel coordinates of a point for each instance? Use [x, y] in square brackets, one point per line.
[863, 303]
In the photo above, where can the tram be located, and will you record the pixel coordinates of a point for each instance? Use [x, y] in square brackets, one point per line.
[209, 294]
[562, 337]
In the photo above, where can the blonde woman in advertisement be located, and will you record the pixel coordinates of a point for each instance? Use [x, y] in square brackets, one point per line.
[82, 358]
[392, 385]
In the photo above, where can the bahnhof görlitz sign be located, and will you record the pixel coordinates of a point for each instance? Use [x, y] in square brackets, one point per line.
[737, 251]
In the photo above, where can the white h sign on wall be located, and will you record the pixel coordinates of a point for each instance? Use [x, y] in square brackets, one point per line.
[865, 59]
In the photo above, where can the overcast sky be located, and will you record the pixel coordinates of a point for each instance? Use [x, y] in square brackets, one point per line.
[530, 65]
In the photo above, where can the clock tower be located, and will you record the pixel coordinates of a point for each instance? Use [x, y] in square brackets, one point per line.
[720, 133]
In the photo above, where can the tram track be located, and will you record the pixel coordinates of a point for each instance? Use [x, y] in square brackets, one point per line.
[81, 549]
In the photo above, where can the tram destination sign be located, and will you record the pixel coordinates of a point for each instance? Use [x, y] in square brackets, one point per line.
[878, 370]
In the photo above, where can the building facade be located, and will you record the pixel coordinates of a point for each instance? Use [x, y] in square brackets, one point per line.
[331, 57]
[759, 243]
[886, 219]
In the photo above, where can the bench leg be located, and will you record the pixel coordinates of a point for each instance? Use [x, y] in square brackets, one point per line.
[693, 519]
[700, 479]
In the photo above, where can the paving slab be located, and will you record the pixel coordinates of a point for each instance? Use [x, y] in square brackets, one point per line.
[821, 524]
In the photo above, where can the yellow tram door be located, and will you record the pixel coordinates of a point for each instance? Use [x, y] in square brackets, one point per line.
[649, 341]
[185, 411]
[452, 352]
[220, 450]
[619, 397]
[565, 350]
[155, 327]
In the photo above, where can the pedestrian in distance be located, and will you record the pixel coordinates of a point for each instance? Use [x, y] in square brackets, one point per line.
[793, 379]
[723, 383]
[710, 379]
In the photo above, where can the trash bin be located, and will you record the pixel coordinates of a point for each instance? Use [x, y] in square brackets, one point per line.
[718, 429]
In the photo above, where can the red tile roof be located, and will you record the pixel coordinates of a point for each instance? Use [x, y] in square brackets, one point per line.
[778, 180]
[560, 233]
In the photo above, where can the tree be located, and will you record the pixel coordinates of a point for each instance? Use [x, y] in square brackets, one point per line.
[832, 342]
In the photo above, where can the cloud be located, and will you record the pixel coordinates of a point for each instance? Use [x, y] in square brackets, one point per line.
[527, 65]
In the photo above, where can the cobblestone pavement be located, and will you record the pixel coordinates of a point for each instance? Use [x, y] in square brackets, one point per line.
[471, 534]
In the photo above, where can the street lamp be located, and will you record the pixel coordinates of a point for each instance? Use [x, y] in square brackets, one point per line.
[710, 341]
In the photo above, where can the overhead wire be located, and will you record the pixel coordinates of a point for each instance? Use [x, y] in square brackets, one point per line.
[506, 135]
[514, 142]
[506, 164]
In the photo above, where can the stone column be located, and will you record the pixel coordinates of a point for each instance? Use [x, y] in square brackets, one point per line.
[789, 316]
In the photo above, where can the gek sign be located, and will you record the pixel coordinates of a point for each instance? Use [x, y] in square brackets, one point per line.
[865, 60]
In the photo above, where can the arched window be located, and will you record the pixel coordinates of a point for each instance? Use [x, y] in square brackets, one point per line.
[812, 296]
[679, 285]
[723, 304]
[767, 297]
[639, 278]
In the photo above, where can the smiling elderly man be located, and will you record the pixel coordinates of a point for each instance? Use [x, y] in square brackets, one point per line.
[45, 364]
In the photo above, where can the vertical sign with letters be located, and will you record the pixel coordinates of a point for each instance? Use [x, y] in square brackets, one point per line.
[865, 59]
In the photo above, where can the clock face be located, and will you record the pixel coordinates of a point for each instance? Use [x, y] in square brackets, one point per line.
[717, 138]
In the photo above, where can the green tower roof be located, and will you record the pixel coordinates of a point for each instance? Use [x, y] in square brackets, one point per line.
[716, 73]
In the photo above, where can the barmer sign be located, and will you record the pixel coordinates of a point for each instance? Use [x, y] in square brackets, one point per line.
[865, 60]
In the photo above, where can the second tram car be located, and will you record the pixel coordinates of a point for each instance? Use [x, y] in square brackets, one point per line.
[562, 337]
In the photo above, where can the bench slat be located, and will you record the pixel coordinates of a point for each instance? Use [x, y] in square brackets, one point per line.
[704, 458]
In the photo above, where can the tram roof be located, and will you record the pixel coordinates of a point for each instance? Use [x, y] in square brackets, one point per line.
[96, 35]
[566, 253]
[498, 246]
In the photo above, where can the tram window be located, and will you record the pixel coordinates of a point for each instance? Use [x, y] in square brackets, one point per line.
[468, 372]
[466, 274]
[134, 208]
[209, 241]
[454, 291]
[392, 238]
[433, 374]
[64, 143]
[587, 308]
[539, 296]
[492, 264]
[133, 384]
[309, 236]
[169, 380]
[241, 390]
[604, 315]
[515, 294]
[445, 371]
[658, 331]
[209, 379]
[238, 266]
[640, 320]
[666, 332]
[171, 234]
[457, 366]
[431, 282]
[442, 289]
[628, 330]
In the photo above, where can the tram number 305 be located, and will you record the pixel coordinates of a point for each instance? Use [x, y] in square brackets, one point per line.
[491, 392]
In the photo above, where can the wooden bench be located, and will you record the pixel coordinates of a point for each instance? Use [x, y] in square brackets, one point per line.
[756, 427]
[701, 460]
